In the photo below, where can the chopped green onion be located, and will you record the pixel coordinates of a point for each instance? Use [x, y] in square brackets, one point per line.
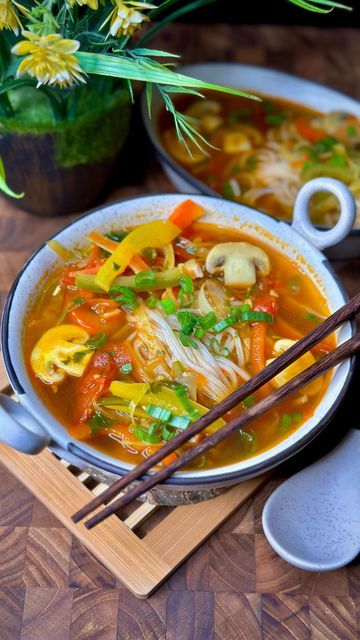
[76, 302]
[217, 349]
[117, 236]
[79, 355]
[150, 253]
[235, 116]
[152, 301]
[116, 266]
[312, 317]
[180, 422]
[285, 421]
[159, 413]
[186, 299]
[338, 161]
[228, 191]
[253, 316]
[249, 402]
[249, 440]
[99, 421]
[274, 119]
[225, 323]
[199, 333]
[167, 433]
[154, 428]
[296, 416]
[145, 436]
[187, 321]
[95, 342]
[186, 403]
[168, 306]
[208, 321]
[125, 296]
[187, 341]
[126, 367]
[235, 168]
[243, 308]
[351, 131]
[144, 278]
[324, 145]
[186, 284]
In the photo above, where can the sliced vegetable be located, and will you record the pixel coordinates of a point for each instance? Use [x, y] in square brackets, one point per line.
[61, 251]
[257, 346]
[54, 355]
[186, 213]
[307, 131]
[155, 234]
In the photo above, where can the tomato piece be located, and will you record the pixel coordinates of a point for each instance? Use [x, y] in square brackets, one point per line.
[267, 303]
[96, 381]
[96, 315]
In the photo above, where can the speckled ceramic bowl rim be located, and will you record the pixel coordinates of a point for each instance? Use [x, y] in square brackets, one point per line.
[221, 475]
[164, 156]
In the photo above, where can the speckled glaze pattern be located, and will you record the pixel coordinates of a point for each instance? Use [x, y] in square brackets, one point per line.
[313, 519]
[135, 211]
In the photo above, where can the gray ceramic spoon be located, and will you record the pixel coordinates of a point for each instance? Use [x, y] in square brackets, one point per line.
[313, 519]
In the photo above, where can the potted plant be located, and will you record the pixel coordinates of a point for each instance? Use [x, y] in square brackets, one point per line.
[66, 70]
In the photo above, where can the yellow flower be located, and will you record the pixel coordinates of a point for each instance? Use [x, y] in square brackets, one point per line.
[126, 19]
[9, 18]
[93, 4]
[49, 59]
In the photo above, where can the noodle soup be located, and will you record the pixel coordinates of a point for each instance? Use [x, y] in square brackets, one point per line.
[262, 153]
[142, 330]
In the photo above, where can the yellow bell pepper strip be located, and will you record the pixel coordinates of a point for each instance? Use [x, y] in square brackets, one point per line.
[61, 251]
[137, 264]
[61, 351]
[153, 234]
[164, 398]
[162, 280]
[295, 368]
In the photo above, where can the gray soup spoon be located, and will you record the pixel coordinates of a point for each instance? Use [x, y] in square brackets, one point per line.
[312, 520]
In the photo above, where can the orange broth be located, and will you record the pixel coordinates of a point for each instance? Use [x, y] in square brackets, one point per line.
[292, 288]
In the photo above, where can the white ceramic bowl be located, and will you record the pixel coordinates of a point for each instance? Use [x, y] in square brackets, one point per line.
[257, 80]
[29, 426]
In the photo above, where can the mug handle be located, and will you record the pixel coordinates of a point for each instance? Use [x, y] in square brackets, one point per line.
[301, 220]
[19, 429]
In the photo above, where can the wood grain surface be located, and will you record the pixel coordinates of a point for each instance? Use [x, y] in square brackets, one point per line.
[234, 587]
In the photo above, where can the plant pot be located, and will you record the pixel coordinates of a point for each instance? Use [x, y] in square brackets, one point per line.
[62, 167]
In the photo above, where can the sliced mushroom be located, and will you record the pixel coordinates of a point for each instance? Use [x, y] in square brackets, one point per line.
[239, 262]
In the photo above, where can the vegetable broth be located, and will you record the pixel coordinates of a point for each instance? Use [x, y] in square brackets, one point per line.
[119, 339]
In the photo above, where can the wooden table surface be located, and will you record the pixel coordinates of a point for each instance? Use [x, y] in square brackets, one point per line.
[234, 587]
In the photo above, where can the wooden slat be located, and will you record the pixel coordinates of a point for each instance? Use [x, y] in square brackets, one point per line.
[130, 559]
[186, 527]
[140, 515]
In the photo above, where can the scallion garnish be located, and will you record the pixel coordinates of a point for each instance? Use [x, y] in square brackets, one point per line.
[296, 416]
[79, 355]
[312, 317]
[186, 284]
[145, 436]
[125, 296]
[199, 333]
[159, 413]
[116, 266]
[99, 421]
[187, 341]
[187, 321]
[249, 440]
[95, 342]
[225, 323]
[351, 131]
[186, 403]
[185, 299]
[152, 301]
[242, 316]
[167, 433]
[117, 236]
[208, 321]
[217, 349]
[168, 306]
[249, 402]
[144, 278]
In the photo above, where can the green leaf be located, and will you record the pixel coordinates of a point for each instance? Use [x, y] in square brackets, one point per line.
[312, 5]
[149, 88]
[155, 53]
[4, 187]
[121, 67]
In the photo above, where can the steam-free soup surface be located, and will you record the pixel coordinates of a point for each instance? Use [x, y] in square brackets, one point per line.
[139, 332]
[263, 152]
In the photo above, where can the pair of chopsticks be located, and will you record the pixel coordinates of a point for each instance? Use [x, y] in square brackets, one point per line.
[329, 361]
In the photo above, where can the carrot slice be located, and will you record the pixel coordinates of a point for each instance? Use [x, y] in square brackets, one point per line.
[186, 213]
[258, 346]
[137, 264]
[307, 131]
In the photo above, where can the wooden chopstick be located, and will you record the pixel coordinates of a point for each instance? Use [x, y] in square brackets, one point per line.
[346, 312]
[345, 350]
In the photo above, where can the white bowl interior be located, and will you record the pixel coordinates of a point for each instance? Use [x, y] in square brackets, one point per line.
[136, 211]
